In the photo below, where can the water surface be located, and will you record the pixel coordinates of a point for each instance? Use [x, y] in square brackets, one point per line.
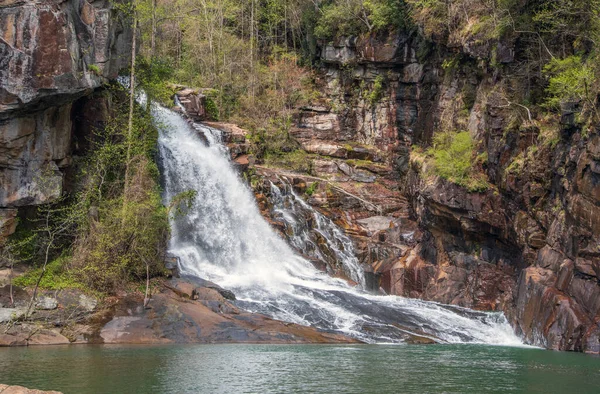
[300, 369]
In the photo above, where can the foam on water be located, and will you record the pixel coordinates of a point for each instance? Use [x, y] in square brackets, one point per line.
[223, 238]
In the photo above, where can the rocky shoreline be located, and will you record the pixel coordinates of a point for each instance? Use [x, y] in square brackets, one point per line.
[181, 310]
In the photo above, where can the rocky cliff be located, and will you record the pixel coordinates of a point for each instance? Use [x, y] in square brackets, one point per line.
[527, 245]
[52, 53]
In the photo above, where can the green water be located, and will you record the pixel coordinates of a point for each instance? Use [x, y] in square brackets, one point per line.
[299, 369]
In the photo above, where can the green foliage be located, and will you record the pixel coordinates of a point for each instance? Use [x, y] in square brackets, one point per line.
[56, 277]
[311, 189]
[118, 245]
[111, 235]
[569, 79]
[352, 17]
[452, 159]
[297, 160]
[377, 91]
[211, 108]
[94, 69]
[154, 76]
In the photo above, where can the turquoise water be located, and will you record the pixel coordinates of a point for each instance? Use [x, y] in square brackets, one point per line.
[299, 369]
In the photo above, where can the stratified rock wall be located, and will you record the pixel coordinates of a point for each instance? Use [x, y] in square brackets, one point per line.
[530, 244]
[52, 52]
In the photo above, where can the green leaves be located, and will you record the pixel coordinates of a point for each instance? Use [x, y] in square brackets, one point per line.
[570, 80]
[353, 17]
[453, 160]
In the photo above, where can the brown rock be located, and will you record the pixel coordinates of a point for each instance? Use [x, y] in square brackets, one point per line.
[172, 319]
[5, 389]
[47, 337]
[13, 340]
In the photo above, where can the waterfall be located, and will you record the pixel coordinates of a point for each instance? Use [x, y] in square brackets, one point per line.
[224, 238]
[295, 213]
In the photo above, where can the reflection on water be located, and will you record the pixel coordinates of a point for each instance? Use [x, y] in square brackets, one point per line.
[299, 369]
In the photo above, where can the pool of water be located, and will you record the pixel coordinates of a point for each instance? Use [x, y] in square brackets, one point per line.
[299, 369]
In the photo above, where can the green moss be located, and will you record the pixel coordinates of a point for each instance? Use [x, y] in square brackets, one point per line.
[377, 91]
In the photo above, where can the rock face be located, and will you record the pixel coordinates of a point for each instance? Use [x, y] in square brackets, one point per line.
[529, 245]
[53, 52]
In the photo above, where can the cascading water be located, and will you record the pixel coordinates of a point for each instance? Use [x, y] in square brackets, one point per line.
[323, 240]
[223, 238]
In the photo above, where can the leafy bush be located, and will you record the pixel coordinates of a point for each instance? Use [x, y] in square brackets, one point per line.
[377, 91]
[114, 232]
[570, 79]
[453, 160]
[353, 17]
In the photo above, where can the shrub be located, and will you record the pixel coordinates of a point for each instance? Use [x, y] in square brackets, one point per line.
[452, 155]
[569, 79]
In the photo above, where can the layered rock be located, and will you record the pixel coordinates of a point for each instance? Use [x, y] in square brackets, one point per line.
[53, 53]
[528, 246]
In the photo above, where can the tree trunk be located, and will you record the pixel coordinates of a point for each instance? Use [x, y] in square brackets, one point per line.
[153, 35]
[130, 121]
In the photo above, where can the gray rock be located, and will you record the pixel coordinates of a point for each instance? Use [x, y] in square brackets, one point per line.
[46, 303]
[88, 304]
[8, 314]
[363, 176]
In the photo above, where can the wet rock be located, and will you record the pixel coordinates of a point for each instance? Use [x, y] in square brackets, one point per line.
[193, 102]
[87, 303]
[8, 223]
[363, 176]
[325, 149]
[53, 52]
[51, 55]
[550, 318]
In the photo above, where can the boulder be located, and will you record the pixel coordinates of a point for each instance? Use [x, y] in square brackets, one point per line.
[9, 314]
[6, 389]
[46, 303]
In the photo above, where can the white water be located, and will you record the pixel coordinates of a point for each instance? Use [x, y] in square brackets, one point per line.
[223, 238]
[295, 213]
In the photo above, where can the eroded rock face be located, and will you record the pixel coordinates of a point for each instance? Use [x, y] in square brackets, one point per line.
[52, 52]
[530, 245]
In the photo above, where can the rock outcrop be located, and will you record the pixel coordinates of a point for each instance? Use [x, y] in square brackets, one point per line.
[528, 246]
[53, 53]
